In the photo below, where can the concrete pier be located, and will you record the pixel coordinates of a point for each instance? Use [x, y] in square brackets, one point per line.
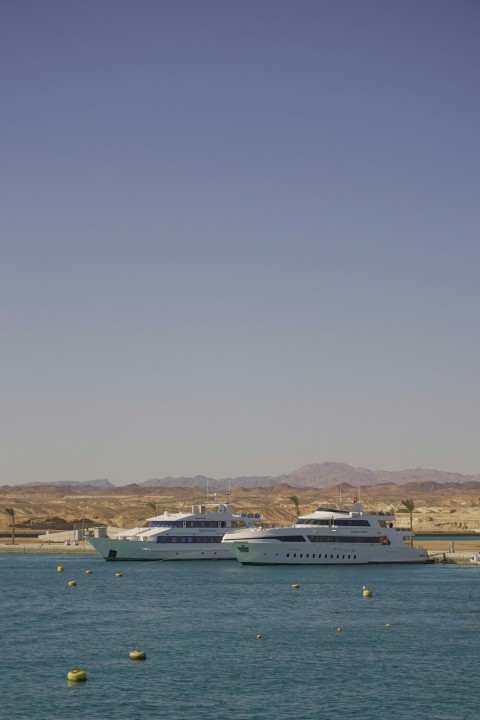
[53, 548]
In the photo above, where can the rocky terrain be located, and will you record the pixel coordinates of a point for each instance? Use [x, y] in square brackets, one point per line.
[439, 507]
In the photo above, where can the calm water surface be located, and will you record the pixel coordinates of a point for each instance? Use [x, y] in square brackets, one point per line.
[198, 622]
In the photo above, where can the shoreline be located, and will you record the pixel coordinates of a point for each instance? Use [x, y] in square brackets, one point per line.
[439, 551]
[48, 549]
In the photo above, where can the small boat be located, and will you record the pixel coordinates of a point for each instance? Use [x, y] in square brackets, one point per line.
[328, 537]
[475, 559]
[195, 535]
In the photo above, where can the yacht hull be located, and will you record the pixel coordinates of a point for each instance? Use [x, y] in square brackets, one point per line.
[111, 549]
[281, 553]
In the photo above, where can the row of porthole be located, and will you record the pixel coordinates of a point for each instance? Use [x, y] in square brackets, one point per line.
[202, 553]
[348, 557]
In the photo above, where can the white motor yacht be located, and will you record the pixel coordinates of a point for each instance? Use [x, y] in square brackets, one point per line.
[327, 537]
[195, 535]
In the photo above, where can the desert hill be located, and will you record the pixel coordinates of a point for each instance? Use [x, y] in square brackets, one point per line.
[443, 501]
[439, 507]
[319, 475]
[315, 475]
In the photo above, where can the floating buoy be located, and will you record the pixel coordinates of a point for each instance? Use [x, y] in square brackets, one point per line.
[339, 629]
[387, 625]
[88, 572]
[366, 592]
[258, 637]
[72, 583]
[77, 675]
[118, 574]
[137, 654]
[296, 585]
[60, 568]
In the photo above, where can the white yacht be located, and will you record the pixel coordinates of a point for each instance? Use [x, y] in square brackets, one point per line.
[195, 535]
[327, 537]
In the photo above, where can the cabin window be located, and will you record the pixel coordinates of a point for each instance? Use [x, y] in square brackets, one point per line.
[188, 539]
[339, 539]
[338, 522]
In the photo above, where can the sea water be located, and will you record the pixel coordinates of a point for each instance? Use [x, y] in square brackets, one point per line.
[325, 651]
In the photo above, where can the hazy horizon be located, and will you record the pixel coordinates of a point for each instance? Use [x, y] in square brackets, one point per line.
[237, 477]
[238, 237]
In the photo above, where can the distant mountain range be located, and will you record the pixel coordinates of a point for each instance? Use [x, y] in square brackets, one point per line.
[316, 475]
[100, 484]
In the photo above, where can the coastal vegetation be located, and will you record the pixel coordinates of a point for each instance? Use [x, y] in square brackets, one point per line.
[409, 505]
[11, 512]
[152, 505]
[296, 502]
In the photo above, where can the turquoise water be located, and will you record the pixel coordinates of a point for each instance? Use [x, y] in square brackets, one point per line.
[198, 623]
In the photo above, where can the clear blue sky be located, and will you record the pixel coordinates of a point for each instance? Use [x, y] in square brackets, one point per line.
[238, 237]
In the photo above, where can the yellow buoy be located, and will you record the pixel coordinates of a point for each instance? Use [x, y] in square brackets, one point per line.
[88, 572]
[137, 654]
[258, 637]
[77, 675]
[118, 574]
[60, 568]
[72, 583]
[295, 585]
[366, 592]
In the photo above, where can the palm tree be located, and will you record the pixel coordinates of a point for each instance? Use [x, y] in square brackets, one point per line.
[11, 511]
[410, 506]
[294, 499]
[153, 505]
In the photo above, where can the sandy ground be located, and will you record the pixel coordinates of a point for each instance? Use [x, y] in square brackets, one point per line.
[440, 511]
